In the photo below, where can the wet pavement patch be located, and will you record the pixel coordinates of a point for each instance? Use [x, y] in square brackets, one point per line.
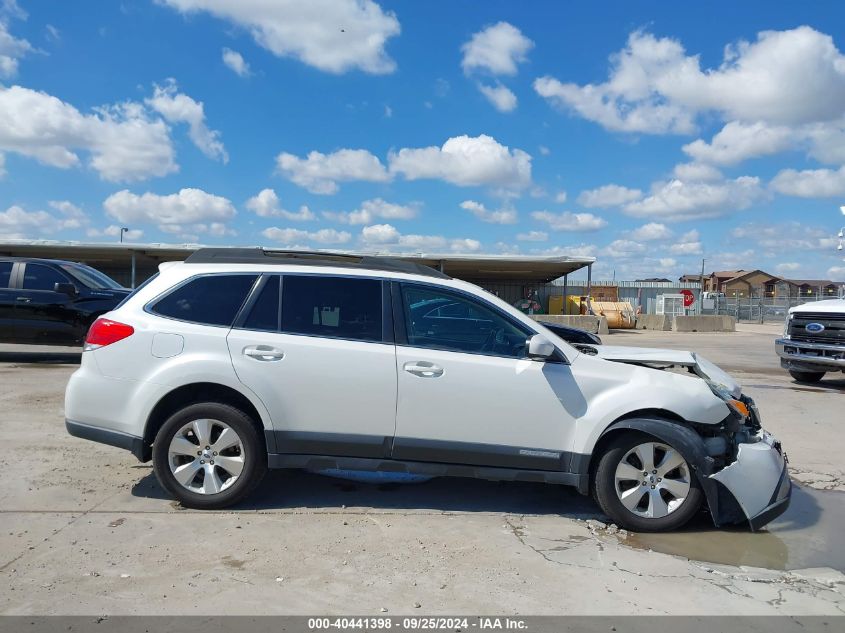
[808, 534]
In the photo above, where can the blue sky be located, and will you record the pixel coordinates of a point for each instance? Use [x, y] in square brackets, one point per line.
[644, 135]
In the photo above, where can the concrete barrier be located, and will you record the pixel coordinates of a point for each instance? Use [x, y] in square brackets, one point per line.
[704, 323]
[594, 324]
[654, 322]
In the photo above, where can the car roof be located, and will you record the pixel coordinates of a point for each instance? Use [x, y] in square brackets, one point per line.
[37, 260]
[310, 258]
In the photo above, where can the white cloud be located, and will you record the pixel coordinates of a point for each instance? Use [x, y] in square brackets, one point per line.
[532, 236]
[568, 221]
[608, 196]
[578, 250]
[113, 230]
[320, 173]
[795, 237]
[787, 267]
[784, 77]
[624, 248]
[678, 200]
[667, 263]
[2, 165]
[739, 141]
[650, 232]
[236, 62]
[836, 273]
[560, 197]
[294, 236]
[385, 237]
[266, 204]
[124, 143]
[188, 210]
[497, 49]
[502, 98]
[18, 223]
[688, 244]
[332, 35]
[371, 210]
[696, 172]
[545, 151]
[176, 107]
[466, 161]
[505, 215]
[12, 49]
[810, 183]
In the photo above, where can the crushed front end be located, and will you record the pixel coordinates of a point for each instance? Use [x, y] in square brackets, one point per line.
[749, 470]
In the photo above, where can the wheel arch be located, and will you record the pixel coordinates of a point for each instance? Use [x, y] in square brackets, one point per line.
[192, 393]
[674, 430]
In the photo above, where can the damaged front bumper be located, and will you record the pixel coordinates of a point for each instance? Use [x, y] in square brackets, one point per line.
[758, 480]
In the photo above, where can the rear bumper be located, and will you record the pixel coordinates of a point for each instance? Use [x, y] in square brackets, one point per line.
[134, 445]
[799, 355]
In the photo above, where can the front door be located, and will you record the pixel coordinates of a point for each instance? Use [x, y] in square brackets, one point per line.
[43, 315]
[325, 366]
[467, 392]
[7, 304]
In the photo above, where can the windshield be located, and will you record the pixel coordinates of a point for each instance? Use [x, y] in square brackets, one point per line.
[91, 277]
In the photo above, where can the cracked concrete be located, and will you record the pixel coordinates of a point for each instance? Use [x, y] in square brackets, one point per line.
[87, 530]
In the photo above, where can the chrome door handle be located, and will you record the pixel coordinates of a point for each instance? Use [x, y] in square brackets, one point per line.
[423, 369]
[263, 353]
[23, 299]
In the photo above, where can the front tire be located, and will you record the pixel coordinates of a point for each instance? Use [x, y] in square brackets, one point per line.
[209, 455]
[807, 376]
[645, 485]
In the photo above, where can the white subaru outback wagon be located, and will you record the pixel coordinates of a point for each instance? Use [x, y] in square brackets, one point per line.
[239, 360]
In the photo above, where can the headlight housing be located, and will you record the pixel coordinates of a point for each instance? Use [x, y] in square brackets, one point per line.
[786, 325]
[723, 393]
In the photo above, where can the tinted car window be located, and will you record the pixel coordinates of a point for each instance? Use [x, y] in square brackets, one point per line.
[41, 277]
[332, 306]
[210, 300]
[5, 274]
[91, 277]
[264, 314]
[442, 320]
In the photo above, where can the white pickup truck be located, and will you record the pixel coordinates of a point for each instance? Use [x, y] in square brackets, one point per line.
[813, 342]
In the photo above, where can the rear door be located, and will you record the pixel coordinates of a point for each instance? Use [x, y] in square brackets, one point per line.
[7, 303]
[318, 350]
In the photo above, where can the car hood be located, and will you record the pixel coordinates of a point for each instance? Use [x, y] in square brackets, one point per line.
[828, 305]
[662, 358]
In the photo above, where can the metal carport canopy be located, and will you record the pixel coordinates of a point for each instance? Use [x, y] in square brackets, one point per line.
[503, 268]
[526, 269]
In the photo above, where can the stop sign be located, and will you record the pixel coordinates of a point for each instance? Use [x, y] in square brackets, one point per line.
[689, 298]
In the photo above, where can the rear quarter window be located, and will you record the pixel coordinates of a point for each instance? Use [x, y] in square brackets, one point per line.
[209, 299]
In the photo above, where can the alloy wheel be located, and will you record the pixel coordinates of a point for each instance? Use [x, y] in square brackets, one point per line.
[652, 480]
[206, 456]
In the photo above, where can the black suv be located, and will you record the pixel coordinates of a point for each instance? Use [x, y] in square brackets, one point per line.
[52, 302]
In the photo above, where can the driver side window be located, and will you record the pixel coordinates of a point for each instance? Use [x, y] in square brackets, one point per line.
[438, 319]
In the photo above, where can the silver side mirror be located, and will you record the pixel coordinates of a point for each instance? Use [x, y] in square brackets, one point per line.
[540, 348]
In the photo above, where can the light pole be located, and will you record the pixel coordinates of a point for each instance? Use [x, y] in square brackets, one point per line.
[123, 229]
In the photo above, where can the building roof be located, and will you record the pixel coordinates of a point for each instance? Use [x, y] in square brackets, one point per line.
[472, 267]
[747, 273]
[728, 274]
[812, 282]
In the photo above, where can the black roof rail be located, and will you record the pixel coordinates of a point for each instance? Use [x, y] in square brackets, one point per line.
[309, 258]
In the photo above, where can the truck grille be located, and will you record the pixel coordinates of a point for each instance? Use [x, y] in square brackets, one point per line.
[833, 333]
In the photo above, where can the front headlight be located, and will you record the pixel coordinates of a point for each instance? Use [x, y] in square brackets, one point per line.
[786, 325]
[723, 393]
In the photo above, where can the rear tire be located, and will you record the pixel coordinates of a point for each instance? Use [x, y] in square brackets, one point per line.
[670, 496]
[807, 376]
[189, 442]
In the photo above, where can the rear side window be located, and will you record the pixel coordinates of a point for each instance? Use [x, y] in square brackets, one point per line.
[5, 274]
[41, 277]
[210, 300]
[339, 307]
[264, 314]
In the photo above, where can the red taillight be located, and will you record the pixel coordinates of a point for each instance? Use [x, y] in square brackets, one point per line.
[105, 332]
